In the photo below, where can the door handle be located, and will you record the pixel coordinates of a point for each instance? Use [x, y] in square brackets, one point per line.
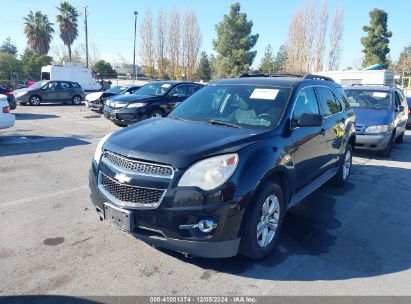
[323, 131]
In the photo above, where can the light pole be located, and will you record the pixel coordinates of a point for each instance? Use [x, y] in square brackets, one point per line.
[134, 53]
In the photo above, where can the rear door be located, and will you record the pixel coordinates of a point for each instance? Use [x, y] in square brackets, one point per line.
[400, 116]
[334, 122]
[310, 152]
[66, 91]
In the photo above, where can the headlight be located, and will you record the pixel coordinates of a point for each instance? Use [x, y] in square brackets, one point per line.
[377, 129]
[137, 105]
[210, 173]
[99, 149]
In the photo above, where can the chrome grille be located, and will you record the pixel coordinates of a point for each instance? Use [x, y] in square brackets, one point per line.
[359, 128]
[134, 166]
[131, 196]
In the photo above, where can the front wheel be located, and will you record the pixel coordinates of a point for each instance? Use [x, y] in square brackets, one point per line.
[344, 170]
[156, 113]
[386, 152]
[400, 139]
[262, 222]
[35, 100]
[76, 100]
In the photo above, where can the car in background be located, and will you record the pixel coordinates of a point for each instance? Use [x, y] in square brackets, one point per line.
[153, 99]
[95, 101]
[409, 112]
[216, 175]
[50, 92]
[10, 97]
[381, 116]
[6, 118]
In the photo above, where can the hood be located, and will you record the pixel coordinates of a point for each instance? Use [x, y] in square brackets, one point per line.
[24, 90]
[132, 98]
[372, 117]
[177, 142]
[93, 96]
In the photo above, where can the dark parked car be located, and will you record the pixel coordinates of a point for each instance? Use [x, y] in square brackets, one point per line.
[50, 92]
[217, 174]
[409, 111]
[381, 116]
[153, 99]
[10, 97]
[95, 101]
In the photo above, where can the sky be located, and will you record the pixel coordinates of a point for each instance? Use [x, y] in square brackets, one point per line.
[111, 23]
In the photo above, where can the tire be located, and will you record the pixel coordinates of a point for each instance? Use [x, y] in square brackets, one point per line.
[35, 100]
[119, 124]
[253, 244]
[386, 152]
[400, 139]
[155, 113]
[76, 100]
[344, 169]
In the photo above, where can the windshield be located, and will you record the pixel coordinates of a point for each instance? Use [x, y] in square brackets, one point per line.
[249, 106]
[116, 89]
[38, 84]
[366, 99]
[154, 89]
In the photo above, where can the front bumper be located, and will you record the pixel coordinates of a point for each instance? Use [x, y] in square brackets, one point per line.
[22, 99]
[125, 116]
[372, 142]
[161, 226]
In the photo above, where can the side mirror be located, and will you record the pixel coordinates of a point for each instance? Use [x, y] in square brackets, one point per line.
[310, 120]
[401, 108]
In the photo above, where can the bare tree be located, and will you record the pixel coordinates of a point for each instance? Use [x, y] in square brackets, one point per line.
[161, 43]
[174, 44]
[320, 42]
[335, 38]
[191, 44]
[147, 44]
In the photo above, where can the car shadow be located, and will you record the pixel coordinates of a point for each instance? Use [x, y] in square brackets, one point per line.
[20, 145]
[32, 116]
[337, 233]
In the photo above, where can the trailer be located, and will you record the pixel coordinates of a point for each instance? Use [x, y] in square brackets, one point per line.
[349, 77]
[71, 72]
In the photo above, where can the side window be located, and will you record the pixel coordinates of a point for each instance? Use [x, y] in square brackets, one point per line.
[52, 85]
[397, 101]
[65, 85]
[180, 90]
[306, 103]
[192, 89]
[328, 101]
[75, 85]
[343, 97]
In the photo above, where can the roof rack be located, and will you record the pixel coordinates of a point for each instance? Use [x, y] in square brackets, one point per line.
[373, 84]
[296, 75]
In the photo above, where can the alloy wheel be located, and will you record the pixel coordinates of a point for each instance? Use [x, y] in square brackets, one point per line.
[268, 223]
[347, 164]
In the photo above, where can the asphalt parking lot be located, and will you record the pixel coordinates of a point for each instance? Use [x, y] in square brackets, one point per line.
[354, 240]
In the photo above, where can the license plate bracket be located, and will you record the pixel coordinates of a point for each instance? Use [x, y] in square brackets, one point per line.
[121, 218]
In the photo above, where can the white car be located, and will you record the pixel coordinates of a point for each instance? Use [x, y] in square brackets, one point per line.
[6, 119]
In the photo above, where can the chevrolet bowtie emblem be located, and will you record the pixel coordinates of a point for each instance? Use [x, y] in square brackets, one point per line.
[122, 178]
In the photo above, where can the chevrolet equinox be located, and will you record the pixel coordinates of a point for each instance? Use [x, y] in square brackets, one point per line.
[215, 176]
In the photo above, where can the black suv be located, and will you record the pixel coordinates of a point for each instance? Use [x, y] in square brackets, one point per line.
[153, 99]
[217, 174]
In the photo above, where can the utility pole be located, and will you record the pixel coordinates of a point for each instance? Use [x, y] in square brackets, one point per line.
[134, 53]
[85, 28]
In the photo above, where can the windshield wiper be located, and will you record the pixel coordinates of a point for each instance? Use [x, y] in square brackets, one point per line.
[222, 123]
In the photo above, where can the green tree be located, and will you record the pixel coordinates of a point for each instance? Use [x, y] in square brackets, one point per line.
[280, 59]
[39, 31]
[10, 67]
[234, 43]
[377, 39]
[67, 20]
[8, 46]
[204, 67]
[403, 65]
[267, 62]
[104, 69]
[32, 63]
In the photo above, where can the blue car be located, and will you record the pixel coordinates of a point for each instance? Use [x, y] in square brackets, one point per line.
[381, 116]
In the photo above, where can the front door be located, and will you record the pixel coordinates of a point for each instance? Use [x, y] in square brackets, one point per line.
[51, 92]
[310, 147]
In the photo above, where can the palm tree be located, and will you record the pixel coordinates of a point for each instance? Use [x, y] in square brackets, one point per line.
[68, 24]
[39, 32]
